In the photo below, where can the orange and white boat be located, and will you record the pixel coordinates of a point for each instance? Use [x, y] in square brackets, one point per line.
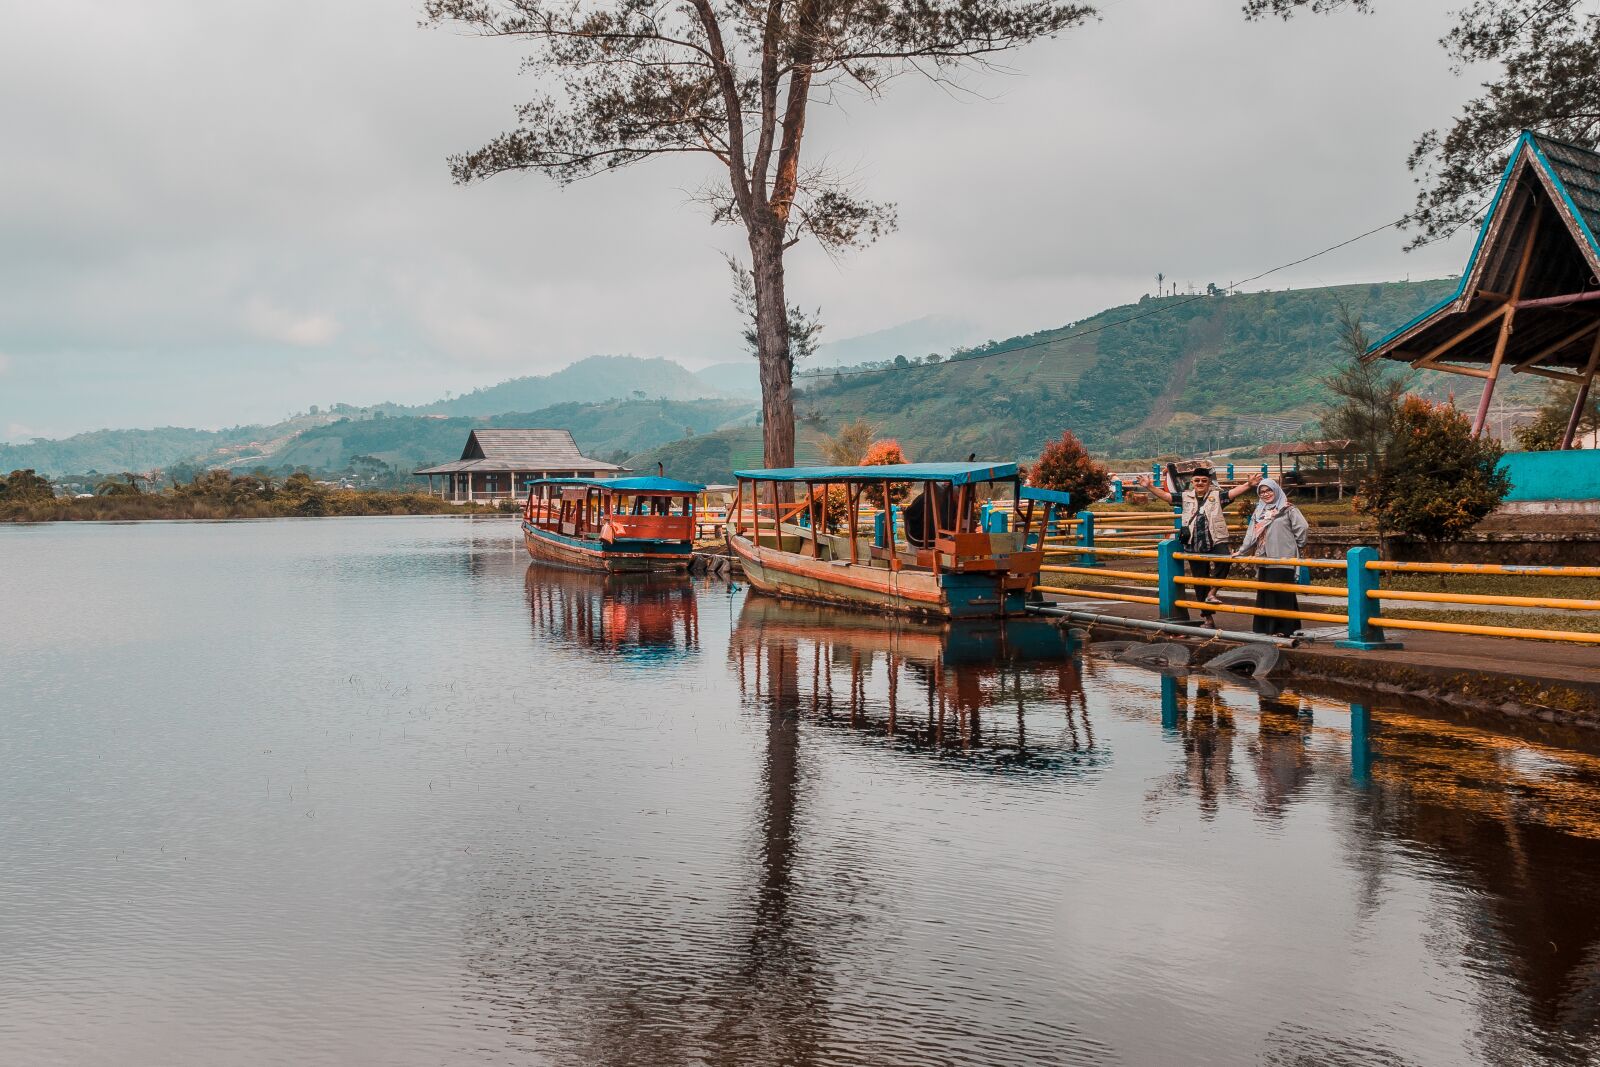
[611, 524]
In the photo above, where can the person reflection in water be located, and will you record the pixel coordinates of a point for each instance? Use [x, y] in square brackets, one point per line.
[1283, 766]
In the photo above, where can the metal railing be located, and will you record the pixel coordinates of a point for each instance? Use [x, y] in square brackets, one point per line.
[1362, 591]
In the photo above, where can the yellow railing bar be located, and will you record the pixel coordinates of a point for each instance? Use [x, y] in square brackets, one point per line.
[1328, 564]
[1126, 598]
[1484, 568]
[1271, 613]
[1137, 576]
[1137, 553]
[1271, 587]
[1553, 603]
[1486, 631]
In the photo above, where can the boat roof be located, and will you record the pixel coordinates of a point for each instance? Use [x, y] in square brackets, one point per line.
[952, 473]
[664, 486]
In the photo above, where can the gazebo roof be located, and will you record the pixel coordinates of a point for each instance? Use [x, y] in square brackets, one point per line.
[520, 450]
[1536, 263]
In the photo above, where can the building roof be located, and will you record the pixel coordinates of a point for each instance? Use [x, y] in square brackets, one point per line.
[667, 486]
[520, 450]
[952, 473]
[1534, 261]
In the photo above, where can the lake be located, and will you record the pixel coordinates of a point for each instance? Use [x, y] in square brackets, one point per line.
[380, 791]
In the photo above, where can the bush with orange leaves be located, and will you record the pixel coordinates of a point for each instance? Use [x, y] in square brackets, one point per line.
[1065, 466]
[835, 505]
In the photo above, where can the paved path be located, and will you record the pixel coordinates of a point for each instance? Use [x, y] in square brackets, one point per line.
[1439, 655]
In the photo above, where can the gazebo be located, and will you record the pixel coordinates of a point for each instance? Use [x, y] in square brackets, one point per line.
[1530, 296]
[496, 464]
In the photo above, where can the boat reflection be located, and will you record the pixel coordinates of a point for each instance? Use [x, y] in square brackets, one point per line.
[643, 617]
[962, 690]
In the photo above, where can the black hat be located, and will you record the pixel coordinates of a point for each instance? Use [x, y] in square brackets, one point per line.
[1202, 472]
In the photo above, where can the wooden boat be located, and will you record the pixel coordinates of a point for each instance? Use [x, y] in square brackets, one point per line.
[947, 566]
[611, 524]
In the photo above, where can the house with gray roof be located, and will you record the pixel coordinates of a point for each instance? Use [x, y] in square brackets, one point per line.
[496, 464]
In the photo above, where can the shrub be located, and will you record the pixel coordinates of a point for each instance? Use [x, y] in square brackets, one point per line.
[1065, 466]
[25, 487]
[1437, 481]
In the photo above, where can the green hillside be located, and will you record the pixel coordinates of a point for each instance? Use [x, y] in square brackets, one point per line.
[612, 429]
[1164, 374]
[712, 458]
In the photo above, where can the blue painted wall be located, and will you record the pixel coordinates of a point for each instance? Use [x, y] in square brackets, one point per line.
[1571, 475]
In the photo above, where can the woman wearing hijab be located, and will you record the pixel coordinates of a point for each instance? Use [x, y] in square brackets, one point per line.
[1277, 531]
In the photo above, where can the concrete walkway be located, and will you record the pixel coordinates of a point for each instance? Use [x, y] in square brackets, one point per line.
[1557, 681]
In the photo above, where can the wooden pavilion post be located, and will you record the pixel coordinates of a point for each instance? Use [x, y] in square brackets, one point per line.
[1505, 325]
[1583, 396]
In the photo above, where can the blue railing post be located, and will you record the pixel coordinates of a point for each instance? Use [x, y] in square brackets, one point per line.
[877, 529]
[1264, 471]
[1230, 473]
[1167, 571]
[1116, 490]
[1086, 539]
[1155, 474]
[1360, 744]
[1302, 575]
[1358, 582]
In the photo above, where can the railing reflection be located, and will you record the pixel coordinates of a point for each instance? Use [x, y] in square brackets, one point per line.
[637, 617]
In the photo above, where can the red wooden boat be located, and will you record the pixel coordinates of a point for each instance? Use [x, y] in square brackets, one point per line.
[611, 524]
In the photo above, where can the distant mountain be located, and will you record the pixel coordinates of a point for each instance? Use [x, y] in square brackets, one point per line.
[1171, 374]
[734, 379]
[604, 431]
[917, 338]
[590, 380]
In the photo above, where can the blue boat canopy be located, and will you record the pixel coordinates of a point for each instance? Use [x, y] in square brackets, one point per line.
[950, 473]
[628, 485]
[1047, 496]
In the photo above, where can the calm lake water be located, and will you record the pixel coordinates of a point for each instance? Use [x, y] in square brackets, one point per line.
[379, 791]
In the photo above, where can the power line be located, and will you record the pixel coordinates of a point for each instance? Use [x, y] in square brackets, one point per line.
[1073, 335]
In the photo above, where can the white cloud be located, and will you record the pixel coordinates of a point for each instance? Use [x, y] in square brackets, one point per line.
[272, 323]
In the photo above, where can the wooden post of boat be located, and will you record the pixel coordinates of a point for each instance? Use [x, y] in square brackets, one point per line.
[852, 496]
[777, 519]
[888, 529]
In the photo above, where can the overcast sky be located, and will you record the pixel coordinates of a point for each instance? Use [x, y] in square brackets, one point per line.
[221, 213]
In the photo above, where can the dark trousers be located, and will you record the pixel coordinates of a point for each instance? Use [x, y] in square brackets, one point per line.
[1205, 568]
[1275, 601]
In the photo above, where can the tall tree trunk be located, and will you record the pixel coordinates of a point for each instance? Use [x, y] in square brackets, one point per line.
[772, 349]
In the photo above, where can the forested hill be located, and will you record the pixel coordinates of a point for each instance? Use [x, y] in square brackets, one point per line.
[1168, 374]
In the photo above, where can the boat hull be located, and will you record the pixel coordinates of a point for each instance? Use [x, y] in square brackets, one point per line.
[620, 556]
[904, 592]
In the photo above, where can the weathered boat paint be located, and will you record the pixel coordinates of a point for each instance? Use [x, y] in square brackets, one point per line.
[621, 554]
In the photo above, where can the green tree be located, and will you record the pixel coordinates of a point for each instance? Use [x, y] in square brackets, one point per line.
[1549, 426]
[1366, 396]
[733, 83]
[1065, 466]
[1437, 480]
[25, 487]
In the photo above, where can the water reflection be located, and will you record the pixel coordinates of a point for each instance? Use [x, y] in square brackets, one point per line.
[641, 618]
[960, 690]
